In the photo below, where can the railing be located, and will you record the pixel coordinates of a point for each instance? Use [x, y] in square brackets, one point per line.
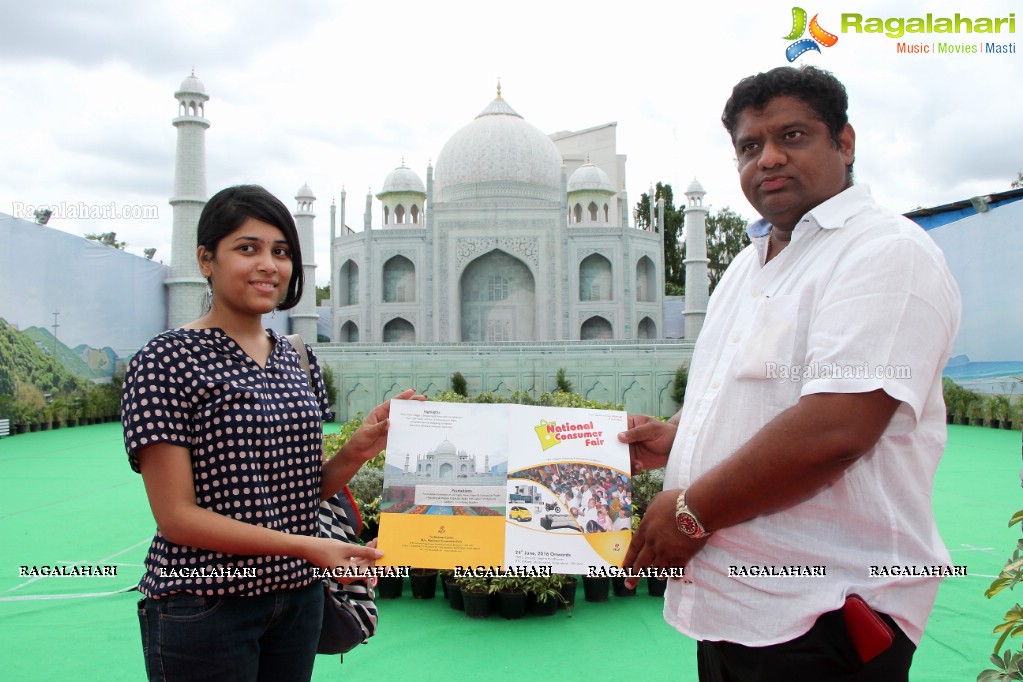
[510, 347]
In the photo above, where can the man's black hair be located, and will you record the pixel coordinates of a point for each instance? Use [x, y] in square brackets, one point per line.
[819, 89]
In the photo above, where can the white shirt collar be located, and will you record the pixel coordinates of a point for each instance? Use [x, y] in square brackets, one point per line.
[829, 215]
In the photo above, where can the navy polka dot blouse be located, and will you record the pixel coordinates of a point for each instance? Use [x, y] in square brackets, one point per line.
[255, 437]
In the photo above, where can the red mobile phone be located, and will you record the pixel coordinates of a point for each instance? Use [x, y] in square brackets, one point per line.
[867, 630]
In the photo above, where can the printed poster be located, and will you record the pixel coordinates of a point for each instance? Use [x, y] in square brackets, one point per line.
[510, 486]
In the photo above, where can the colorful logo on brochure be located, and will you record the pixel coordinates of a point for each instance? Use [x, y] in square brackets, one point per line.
[552, 433]
[818, 36]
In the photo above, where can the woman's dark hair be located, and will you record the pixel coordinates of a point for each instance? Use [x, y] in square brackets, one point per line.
[229, 208]
[819, 89]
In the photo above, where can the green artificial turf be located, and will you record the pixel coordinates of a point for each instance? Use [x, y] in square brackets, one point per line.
[69, 497]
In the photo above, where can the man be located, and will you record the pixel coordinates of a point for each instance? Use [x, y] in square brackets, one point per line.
[813, 421]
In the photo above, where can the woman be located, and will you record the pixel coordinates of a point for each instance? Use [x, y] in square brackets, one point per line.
[220, 421]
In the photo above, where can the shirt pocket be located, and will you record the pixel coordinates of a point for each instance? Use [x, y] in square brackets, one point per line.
[767, 351]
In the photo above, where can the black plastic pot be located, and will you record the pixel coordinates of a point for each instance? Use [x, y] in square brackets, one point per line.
[620, 590]
[454, 595]
[477, 604]
[424, 583]
[655, 587]
[568, 590]
[389, 587]
[511, 605]
[596, 589]
[546, 608]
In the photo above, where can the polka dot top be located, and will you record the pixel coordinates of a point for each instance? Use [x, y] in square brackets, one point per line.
[255, 437]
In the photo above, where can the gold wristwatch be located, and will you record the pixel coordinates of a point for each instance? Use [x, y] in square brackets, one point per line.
[686, 520]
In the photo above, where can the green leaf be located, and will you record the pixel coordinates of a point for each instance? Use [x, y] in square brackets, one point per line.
[1016, 518]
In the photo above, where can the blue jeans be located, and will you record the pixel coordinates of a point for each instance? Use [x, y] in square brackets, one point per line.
[232, 639]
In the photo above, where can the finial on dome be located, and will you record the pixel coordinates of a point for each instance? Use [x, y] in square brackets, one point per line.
[193, 71]
[498, 87]
[587, 157]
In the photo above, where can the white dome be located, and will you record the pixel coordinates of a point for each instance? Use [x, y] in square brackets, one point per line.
[192, 85]
[498, 147]
[695, 188]
[445, 448]
[305, 192]
[590, 178]
[402, 179]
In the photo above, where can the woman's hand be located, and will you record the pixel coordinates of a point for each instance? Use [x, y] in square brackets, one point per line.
[367, 441]
[345, 560]
[371, 437]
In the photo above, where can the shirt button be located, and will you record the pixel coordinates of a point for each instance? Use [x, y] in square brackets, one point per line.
[693, 431]
[715, 384]
[735, 338]
[754, 294]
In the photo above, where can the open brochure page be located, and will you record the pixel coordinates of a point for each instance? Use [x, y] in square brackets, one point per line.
[499, 485]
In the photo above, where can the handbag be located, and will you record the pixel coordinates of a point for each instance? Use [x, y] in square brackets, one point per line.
[349, 610]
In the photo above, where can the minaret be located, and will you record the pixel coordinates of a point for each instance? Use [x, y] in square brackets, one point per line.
[303, 316]
[367, 217]
[186, 286]
[697, 283]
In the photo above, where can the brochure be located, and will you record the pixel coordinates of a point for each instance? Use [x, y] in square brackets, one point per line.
[505, 487]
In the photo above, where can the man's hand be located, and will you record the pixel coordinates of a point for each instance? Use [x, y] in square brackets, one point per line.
[658, 542]
[649, 441]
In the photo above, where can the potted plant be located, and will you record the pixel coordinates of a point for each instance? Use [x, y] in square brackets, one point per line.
[74, 409]
[545, 592]
[22, 412]
[511, 595]
[950, 391]
[998, 407]
[424, 582]
[569, 584]
[58, 412]
[453, 591]
[965, 401]
[390, 586]
[976, 410]
[596, 588]
[1009, 662]
[656, 587]
[445, 576]
[619, 588]
[475, 595]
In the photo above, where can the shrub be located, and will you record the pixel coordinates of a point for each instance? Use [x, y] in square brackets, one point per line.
[459, 384]
[563, 383]
[678, 387]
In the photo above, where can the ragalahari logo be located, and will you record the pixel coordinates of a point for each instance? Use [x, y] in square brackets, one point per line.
[803, 45]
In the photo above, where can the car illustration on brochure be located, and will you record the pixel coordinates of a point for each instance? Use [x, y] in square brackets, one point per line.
[518, 513]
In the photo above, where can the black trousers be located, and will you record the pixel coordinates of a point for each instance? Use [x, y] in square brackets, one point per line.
[824, 654]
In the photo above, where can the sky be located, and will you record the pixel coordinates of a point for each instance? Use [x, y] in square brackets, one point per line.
[337, 94]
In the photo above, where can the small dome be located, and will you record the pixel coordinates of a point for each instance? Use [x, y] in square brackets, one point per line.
[193, 85]
[590, 178]
[305, 192]
[402, 179]
[695, 188]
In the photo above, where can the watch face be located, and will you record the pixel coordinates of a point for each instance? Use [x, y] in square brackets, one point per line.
[687, 523]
